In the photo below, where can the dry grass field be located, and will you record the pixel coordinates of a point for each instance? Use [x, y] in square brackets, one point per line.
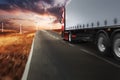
[58, 31]
[14, 51]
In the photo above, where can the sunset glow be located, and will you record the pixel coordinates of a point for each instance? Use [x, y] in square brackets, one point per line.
[30, 14]
[29, 19]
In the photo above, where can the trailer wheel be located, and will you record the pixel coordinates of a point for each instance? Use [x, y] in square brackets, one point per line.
[116, 46]
[103, 44]
[70, 37]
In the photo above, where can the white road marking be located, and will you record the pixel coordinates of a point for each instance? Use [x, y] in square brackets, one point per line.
[51, 35]
[71, 45]
[90, 53]
[27, 67]
[43, 30]
[63, 42]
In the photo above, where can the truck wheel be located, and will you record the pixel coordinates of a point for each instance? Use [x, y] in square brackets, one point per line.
[116, 46]
[103, 44]
[70, 37]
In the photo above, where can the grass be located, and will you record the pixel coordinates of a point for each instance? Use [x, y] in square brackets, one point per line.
[14, 51]
[57, 30]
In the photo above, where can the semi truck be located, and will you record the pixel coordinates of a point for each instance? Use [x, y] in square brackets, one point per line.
[93, 20]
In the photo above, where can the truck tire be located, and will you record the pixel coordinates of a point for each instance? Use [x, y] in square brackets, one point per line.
[103, 44]
[116, 46]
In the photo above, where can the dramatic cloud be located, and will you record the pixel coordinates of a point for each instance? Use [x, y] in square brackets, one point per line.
[14, 12]
[39, 6]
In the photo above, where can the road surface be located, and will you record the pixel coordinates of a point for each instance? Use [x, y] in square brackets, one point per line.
[55, 59]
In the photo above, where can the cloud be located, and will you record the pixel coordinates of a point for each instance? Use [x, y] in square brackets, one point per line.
[50, 7]
[38, 6]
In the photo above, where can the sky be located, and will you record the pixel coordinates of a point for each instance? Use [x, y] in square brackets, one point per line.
[31, 13]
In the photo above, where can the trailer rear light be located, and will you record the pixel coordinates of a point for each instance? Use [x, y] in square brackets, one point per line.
[74, 36]
[62, 27]
[66, 35]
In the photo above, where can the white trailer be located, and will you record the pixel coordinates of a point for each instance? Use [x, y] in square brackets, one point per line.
[94, 20]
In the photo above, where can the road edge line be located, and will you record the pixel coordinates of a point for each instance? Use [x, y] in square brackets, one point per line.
[101, 58]
[27, 67]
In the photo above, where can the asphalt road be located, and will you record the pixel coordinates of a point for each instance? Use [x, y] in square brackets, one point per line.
[55, 59]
